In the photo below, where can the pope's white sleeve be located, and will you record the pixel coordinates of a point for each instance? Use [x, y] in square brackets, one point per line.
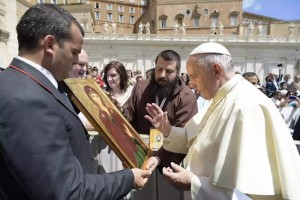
[177, 141]
[180, 139]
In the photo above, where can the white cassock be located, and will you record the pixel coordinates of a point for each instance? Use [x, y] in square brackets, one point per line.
[241, 142]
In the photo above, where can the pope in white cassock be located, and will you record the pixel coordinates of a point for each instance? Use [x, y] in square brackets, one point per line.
[241, 143]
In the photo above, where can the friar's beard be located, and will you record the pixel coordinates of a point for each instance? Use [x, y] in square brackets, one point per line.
[163, 91]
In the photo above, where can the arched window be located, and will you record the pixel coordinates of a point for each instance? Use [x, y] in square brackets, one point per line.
[196, 20]
[234, 18]
[163, 21]
[179, 18]
[214, 18]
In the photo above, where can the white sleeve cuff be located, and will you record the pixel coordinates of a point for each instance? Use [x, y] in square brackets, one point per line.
[176, 141]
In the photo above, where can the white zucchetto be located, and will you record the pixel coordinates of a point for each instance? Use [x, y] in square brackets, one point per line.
[210, 47]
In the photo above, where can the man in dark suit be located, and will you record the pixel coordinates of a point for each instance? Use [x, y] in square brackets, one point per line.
[279, 77]
[271, 85]
[44, 150]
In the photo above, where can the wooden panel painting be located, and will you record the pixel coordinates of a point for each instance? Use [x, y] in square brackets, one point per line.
[108, 121]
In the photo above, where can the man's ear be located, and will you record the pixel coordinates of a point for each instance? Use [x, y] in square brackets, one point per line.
[218, 70]
[49, 42]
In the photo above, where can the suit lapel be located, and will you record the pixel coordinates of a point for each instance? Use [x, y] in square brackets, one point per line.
[42, 80]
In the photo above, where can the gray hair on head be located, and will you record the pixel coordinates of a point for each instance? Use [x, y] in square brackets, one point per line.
[209, 59]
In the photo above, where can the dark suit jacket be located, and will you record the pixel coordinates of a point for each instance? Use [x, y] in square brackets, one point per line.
[270, 88]
[279, 78]
[44, 151]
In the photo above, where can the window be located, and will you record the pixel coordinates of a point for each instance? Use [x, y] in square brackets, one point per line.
[233, 20]
[163, 23]
[53, 1]
[132, 1]
[233, 16]
[97, 16]
[121, 18]
[205, 11]
[143, 2]
[265, 30]
[121, 8]
[97, 5]
[180, 21]
[109, 17]
[196, 21]
[214, 21]
[109, 7]
[132, 10]
[41, 1]
[131, 19]
[188, 12]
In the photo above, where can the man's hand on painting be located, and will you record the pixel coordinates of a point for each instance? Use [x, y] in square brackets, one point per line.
[140, 177]
[179, 177]
[158, 118]
[116, 102]
[113, 99]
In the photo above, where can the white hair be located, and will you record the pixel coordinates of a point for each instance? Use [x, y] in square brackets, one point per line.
[208, 59]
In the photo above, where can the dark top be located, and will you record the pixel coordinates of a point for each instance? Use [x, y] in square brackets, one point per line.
[44, 150]
[181, 107]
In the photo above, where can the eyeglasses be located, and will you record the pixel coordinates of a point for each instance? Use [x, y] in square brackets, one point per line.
[82, 65]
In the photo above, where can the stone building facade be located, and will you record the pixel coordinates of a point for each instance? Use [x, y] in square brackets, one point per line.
[122, 13]
[196, 17]
[257, 43]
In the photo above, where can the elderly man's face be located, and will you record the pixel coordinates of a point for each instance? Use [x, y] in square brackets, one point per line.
[201, 78]
[271, 76]
[79, 69]
[287, 78]
[297, 78]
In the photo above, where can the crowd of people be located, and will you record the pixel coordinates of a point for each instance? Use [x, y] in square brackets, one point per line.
[283, 93]
[223, 134]
[87, 71]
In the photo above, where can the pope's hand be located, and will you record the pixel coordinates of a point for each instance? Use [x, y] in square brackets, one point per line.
[158, 118]
[140, 177]
[179, 177]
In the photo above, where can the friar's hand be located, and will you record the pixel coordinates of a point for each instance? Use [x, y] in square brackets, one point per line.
[158, 118]
[179, 177]
[140, 177]
[152, 163]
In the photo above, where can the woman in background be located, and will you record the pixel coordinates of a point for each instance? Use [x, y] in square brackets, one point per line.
[119, 89]
[116, 80]
[131, 80]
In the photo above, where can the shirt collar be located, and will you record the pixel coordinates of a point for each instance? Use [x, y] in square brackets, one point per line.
[226, 88]
[43, 70]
